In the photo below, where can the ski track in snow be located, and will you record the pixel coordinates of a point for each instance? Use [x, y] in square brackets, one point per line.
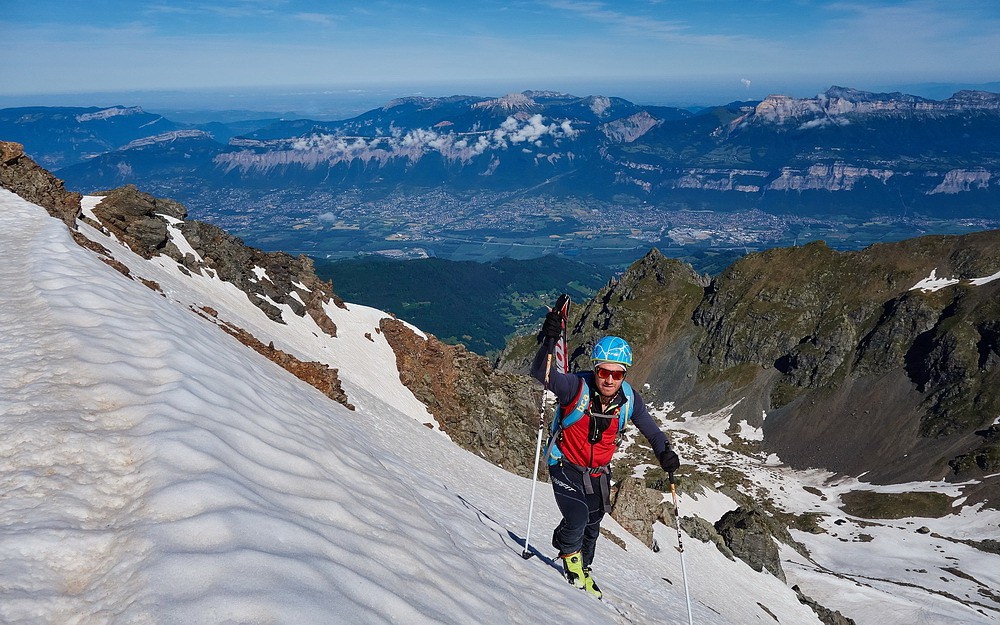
[70, 494]
[156, 471]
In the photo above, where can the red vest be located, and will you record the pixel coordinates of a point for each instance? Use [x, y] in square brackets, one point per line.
[590, 439]
[577, 448]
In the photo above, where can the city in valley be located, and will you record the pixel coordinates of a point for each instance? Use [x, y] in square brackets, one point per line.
[484, 226]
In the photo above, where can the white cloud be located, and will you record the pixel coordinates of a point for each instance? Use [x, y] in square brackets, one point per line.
[530, 131]
[328, 149]
[676, 30]
[323, 19]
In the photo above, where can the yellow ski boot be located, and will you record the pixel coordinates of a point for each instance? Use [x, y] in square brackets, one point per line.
[589, 584]
[573, 569]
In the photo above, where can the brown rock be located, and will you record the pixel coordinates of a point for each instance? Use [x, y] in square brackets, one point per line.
[490, 413]
[23, 176]
[636, 508]
[316, 374]
[9, 151]
[135, 218]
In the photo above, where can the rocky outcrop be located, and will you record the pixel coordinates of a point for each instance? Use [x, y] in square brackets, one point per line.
[316, 374]
[489, 412]
[749, 535]
[136, 219]
[269, 279]
[983, 460]
[825, 615]
[636, 508]
[700, 529]
[20, 174]
[628, 129]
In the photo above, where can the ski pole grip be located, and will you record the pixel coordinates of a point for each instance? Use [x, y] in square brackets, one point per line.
[548, 367]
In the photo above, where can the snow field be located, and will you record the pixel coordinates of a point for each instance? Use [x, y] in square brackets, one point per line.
[874, 571]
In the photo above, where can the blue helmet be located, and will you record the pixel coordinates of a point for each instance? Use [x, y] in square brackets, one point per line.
[612, 349]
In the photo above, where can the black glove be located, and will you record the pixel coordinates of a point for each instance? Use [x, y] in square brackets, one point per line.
[669, 460]
[552, 327]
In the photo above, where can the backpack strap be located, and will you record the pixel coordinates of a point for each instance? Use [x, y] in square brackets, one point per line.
[626, 410]
[572, 412]
[565, 416]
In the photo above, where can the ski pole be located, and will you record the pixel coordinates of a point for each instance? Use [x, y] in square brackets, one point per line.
[680, 545]
[538, 452]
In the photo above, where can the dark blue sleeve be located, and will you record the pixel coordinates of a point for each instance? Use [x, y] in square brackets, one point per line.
[565, 386]
[644, 421]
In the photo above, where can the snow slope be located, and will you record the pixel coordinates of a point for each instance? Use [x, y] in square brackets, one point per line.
[157, 471]
[872, 570]
[154, 470]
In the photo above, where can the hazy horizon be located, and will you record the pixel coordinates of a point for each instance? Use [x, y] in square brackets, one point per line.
[335, 102]
[353, 56]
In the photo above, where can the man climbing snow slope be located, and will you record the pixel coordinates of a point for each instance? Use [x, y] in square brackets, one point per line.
[594, 407]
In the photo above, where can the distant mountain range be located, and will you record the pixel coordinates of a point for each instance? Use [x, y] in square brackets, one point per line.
[561, 173]
[61, 136]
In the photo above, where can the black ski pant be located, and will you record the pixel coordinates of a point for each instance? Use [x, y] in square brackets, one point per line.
[582, 513]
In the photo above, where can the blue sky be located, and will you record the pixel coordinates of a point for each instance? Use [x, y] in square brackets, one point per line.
[748, 47]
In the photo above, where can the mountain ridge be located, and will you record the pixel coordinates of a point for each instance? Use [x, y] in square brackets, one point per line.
[286, 290]
[865, 351]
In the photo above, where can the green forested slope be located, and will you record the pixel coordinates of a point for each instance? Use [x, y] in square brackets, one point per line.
[476, 304]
